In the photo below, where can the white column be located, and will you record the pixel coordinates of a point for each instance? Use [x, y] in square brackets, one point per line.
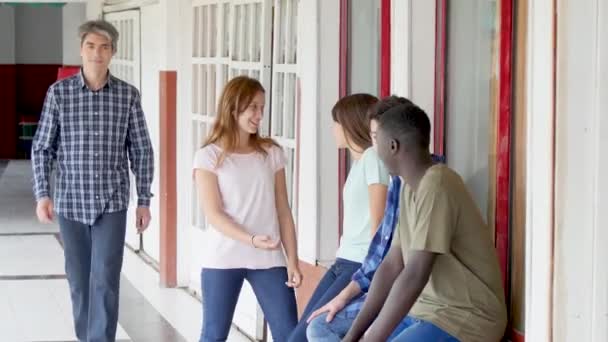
[580, 308]
[401, 52]
[308, 73]
[185, 192]
[328, 82]
[170, 33]
[539, 171]
[599, 314]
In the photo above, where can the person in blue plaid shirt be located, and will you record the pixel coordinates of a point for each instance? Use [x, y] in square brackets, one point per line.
[92, 125]
[332, 321]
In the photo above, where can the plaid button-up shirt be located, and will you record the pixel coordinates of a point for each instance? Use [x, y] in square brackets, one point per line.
[92, 136]
[381, 242]
[379, 246]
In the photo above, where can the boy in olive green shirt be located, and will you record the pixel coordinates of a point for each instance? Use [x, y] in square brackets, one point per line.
[442, 271]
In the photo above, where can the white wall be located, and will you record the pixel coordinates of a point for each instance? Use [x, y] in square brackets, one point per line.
[150, 65]
[7, 35]
[38, 35]
[423, 55]
[73, 14]
[581, 279]
[94, 9]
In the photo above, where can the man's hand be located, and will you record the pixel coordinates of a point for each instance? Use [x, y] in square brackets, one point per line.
[332, 308]
[44, 210]
[142, 218]
[294, 276]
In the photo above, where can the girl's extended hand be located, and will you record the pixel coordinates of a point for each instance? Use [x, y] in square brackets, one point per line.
[265, 242]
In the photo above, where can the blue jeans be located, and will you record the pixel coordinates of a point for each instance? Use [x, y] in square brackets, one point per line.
[335, 280]
[93, 261]
[221, 288]
[409, 330]
[412, 329]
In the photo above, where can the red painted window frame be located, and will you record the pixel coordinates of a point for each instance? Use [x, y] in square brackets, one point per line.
[503, 144]
[440, 67]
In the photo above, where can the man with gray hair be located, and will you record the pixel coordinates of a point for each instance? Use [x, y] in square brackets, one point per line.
[92, 125]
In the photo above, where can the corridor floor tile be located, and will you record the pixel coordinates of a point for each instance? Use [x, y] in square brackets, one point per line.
[40, 311]
[30, 255]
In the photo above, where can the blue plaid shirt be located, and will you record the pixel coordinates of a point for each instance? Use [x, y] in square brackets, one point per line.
[92, 135]
[379, 246]
[381, 243]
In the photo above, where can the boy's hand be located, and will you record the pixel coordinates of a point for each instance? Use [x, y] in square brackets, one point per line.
[332, 308]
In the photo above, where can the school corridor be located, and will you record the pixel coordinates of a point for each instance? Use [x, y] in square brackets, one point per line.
[516, 92]
[34, 294]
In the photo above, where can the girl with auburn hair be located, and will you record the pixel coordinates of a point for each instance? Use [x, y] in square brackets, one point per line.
[240, 179]
[364, 200]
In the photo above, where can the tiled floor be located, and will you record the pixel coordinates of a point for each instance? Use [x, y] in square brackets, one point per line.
[34, 294]
[44, 255]
[38, 310]
[17, 202]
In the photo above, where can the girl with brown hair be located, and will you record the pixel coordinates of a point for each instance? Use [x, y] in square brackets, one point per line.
[240, 179]
[364, 200]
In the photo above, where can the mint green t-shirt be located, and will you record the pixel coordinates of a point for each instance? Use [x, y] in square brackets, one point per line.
[356, 232]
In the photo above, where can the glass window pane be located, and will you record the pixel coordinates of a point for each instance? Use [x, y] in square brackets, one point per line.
[471, 93]
[364, 47]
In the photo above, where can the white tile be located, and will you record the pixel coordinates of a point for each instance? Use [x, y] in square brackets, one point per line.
[121, 334]
[181, 310]
[34, 306]
[31, 310]
[60, 292]
[41, 309]
[17, 204]
[30, 255]
[9, 327]
[45, 305]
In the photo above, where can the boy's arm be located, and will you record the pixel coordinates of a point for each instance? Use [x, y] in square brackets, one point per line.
[403, 295]
[379, 290]
[430, 234]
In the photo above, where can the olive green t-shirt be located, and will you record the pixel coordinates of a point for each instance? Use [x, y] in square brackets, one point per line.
[464, 295]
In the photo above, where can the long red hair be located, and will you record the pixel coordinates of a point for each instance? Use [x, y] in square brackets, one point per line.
[236, 97]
